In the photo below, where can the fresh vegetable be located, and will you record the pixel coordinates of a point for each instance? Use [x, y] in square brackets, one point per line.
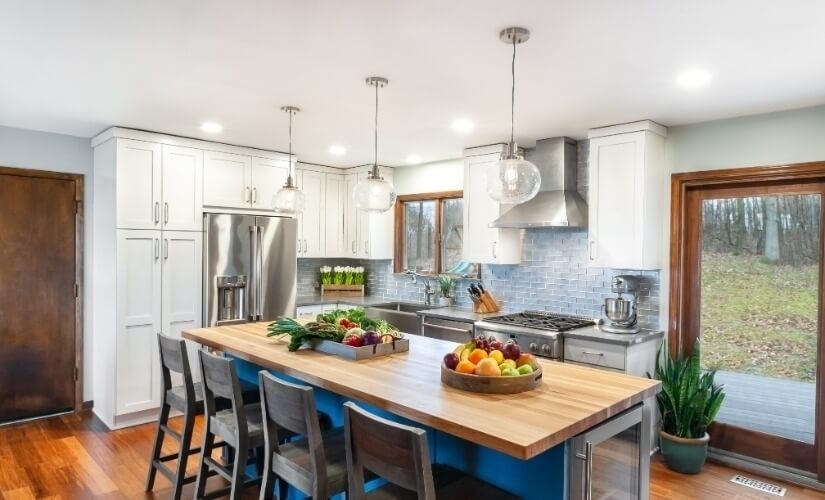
[353, 340]
[300, 334]
[355, 331]
[371, 337]
[355, 315]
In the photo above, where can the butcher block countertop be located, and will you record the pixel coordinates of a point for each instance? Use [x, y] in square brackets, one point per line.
[570, 400]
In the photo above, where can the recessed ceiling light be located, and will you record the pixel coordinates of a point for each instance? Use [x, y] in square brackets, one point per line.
[337, 150]
[212, 127]
[463, 125]
[413, 159]
[693, 78]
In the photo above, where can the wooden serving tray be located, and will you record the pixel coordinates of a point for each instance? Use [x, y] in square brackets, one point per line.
[359, 353]
[491, 385]
[343, 290]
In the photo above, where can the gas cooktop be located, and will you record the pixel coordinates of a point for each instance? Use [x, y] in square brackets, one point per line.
[539, 320]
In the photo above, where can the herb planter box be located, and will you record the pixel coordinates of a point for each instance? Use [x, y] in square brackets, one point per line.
[359, 353]
[343, 290]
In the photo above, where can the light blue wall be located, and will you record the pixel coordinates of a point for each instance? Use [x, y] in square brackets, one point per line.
[36, 150]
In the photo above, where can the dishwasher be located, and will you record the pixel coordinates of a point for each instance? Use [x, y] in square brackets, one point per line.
[446, 329]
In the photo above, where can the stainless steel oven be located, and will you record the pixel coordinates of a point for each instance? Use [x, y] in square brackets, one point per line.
[612, 460]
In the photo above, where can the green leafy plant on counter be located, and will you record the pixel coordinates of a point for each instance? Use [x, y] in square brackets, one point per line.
[690, 399]
[342, 275]
[445, 283]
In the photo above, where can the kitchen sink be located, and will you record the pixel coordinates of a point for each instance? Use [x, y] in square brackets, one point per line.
[402, 315]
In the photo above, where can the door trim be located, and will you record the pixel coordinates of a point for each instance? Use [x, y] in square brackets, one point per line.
[681, 327]
[79, 223]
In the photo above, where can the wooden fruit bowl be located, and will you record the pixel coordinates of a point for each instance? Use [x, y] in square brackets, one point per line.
[491, 385]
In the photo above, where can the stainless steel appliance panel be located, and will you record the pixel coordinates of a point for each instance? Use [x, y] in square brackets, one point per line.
[277, 267]
[226, 256]
[444, 329]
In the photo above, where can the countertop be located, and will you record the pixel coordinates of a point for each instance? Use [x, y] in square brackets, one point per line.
[457, 313]
[596, 333]
[367, 300]
[571, 400]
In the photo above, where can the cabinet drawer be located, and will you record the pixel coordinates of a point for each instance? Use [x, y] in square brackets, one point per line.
[592, 353]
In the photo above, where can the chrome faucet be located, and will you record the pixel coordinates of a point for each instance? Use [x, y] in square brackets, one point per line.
[429, 291]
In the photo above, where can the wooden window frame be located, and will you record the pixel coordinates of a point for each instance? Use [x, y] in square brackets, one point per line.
[439, 197]
[688, 190]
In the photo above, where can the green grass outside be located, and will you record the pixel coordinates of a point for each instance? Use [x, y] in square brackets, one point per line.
[759, 318]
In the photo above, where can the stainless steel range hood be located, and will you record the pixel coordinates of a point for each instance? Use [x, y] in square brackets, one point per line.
[557, 204]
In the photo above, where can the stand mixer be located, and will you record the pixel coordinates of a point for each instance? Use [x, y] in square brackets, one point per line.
[621, 312]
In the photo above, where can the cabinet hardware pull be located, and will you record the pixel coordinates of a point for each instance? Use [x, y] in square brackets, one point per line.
[366, 247]
[157, 248]
[166, 212]
[166, 248]
[446, 328]
[590, 353]
[588, 470]
[299, 246]
[254, 195]
[592, 242]
[305, 246]
[248, 195]
[157, 212]
[494, 249]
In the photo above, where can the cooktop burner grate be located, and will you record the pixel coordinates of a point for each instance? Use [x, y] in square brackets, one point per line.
[543, 321]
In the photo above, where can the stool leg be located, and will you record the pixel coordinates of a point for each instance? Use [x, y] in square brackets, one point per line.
[283, 489]
[183, 453]
[239, 470]
[157, 447]
[203, 469]
[267, 476]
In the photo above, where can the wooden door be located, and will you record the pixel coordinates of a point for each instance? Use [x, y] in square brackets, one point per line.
[182, 189]
[138, 320]
[40, 337]
[226, 180]
[312, 220]
[181, 295]
[268, 176]
[138, 184]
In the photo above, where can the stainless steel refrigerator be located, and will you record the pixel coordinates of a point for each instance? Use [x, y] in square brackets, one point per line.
[250, 268]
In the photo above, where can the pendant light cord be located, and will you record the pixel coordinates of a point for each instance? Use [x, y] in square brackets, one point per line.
[513, 96]
[375, 163]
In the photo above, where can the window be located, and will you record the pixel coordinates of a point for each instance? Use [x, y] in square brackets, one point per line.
[429, 231]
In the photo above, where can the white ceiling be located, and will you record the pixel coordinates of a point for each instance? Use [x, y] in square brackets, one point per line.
[77, 67]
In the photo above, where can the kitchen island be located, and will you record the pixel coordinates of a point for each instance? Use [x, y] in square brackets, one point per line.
[518, 442]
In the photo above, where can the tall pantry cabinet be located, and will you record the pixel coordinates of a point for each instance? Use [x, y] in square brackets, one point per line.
[146, 268]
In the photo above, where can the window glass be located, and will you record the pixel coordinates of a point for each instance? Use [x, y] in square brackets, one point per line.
[419, 235]
[452, 232]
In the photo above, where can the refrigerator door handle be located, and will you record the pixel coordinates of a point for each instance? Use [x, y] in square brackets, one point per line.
[259, 269]
[252, 299]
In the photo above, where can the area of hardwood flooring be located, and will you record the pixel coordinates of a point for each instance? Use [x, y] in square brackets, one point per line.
[75, 456]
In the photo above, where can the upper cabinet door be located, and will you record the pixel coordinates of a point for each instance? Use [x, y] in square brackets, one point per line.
[351, 229]
[182, 293]
[227, 180]
[312, 238]
[138, 176]
[334, 198]
[182, 208]
[362, 248]
[268, 176]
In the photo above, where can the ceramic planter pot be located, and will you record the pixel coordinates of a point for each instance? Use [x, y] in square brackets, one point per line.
[683, 454]
[445, 301]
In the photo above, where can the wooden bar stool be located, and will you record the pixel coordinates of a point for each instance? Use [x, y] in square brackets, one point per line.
[399, 454]
[315, 464]
[238, 426]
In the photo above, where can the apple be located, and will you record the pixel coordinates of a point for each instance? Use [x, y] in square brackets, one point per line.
[511, 350]
[451, 360]
[525, 369]
[508, 363]
[510, 372]
[353, 340]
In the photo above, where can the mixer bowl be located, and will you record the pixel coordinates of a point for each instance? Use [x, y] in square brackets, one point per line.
[618, 310]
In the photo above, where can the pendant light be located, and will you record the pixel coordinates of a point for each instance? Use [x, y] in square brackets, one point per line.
[513, 179]
[374, 194]
[289, 200]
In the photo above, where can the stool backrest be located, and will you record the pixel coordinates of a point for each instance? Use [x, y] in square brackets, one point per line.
[220, 379]
[396, 452]
[292, 407]
[174, 358]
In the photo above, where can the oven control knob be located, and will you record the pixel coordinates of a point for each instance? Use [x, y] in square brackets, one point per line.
[534, 347]
[545, 349]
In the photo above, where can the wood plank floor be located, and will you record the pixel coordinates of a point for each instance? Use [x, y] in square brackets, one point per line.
[75, 456]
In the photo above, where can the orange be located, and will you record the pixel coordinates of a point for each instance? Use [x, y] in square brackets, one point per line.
[465, 367]
[488, 368]
[477, 355]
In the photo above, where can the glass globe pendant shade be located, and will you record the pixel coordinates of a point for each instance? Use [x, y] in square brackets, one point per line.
[374, 194]
[513, 180]
[289, 201]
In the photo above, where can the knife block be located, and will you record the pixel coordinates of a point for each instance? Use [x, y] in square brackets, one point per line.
[485, 308]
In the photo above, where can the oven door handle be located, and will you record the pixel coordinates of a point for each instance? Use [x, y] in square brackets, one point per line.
[449, 328]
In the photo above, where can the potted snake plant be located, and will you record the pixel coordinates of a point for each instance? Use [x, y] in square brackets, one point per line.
[688, 403]
[445, 283]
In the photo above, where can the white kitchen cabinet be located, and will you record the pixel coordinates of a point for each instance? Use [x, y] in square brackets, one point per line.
[181, 292]
[625, 199]
[335, 200]
[351, 216]
[483, 243]
[311, 223]
[138, 184]
[138, 315]
[311, 310]
[368, 235]
[182, 188]
[267, 177]
[227, 180]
